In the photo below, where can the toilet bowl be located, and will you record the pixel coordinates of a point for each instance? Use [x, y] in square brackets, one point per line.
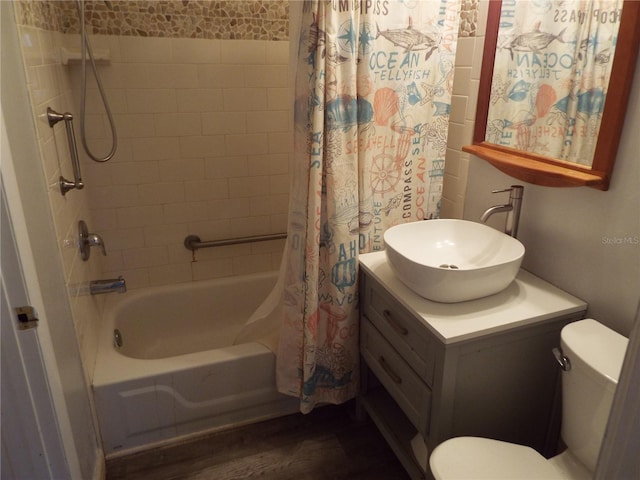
[595, 354]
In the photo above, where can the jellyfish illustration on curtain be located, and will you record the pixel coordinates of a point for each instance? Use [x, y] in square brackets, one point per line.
[372, 97]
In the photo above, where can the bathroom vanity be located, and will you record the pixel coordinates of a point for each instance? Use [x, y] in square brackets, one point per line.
[481, 368]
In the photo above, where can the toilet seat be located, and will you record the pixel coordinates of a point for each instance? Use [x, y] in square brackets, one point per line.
[483, 458]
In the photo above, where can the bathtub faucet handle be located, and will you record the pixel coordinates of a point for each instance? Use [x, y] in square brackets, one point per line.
[87, 240]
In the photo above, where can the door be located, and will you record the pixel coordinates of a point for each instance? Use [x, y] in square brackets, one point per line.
[31, 440]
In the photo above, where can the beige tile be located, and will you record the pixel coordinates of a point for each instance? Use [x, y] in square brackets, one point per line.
[135, 173]
[244, 99]
[104, 219]
[457, 137]
[152, 101]
[266, 76]
[458, 108]
[461, 81]
[174, 234]
[161, 193]
[113, 196]
[185, 212]
[249, 144]
[226, 167]
[177, 124]
[206, 189]
[221, 76]
[278, 53]
[145, 49]
[217, 123]
[202, 146]
[279, 99]
[250, 226]
[155, 148]
[464, 51]
[200, 100]
[229, 208]
[248, 186]
[123, 239]
[169, 274]
[181, 170]
[172, 76]
[280, 142]
[268, 164]
[145, 257]
[268, 121]
[134, 125]
[245, 52]
[191, 50]
[140, 216]
[278, 184]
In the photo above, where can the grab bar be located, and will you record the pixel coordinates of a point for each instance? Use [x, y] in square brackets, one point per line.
[193, 242]
[65, 185]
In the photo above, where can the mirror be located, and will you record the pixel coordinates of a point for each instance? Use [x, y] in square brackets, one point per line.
[537, 124]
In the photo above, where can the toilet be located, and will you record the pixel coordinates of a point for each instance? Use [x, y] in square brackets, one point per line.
[595, 354]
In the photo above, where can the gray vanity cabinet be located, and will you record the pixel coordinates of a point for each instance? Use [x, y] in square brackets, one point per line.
[481, 368]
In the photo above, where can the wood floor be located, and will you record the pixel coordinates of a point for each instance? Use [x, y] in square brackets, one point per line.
[326, 444]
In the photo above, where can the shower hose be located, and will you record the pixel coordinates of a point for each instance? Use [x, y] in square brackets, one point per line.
[86, 48]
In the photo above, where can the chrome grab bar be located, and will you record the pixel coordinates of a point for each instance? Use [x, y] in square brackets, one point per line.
[65, 185]
[193, 242]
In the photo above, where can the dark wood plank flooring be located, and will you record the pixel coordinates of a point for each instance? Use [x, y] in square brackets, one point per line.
[326, 444]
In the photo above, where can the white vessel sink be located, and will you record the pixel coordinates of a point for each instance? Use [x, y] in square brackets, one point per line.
[452, 260]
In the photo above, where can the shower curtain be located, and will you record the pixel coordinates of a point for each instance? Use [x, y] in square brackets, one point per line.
[372, 98]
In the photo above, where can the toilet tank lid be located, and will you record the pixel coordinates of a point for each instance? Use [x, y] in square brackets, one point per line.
[596, 345]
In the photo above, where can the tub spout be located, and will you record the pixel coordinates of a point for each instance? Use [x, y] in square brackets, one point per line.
[98, 287]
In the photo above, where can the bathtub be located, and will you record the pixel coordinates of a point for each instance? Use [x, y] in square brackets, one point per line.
[177, 372]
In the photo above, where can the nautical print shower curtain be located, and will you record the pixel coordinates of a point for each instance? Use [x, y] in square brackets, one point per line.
[372, 100]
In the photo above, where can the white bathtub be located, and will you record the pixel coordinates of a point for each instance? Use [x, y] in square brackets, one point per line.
[177, 373]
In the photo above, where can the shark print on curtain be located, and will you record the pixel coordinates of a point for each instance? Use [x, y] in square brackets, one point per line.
[372, 99]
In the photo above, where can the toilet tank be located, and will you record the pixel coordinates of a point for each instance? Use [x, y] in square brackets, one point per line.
[596, 354]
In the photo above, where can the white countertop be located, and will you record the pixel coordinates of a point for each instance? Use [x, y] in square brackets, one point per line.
[527, 300]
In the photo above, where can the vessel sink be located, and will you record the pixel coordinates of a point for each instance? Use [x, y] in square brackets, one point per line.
[452, 260]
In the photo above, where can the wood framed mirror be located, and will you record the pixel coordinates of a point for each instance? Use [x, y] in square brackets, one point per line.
[533, 166]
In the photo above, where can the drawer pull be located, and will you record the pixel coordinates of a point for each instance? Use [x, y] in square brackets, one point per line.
[385, 366]
[394, 323]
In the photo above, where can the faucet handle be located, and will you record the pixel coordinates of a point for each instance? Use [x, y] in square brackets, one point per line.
[87, 240]
[516, 191]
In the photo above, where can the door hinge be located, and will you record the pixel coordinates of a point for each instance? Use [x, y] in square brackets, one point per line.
[27, 317]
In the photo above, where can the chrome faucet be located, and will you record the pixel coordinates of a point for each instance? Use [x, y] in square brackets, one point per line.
[97, 287]
[512, 209]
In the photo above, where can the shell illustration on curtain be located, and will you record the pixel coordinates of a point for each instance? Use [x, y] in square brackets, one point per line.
[372, 99]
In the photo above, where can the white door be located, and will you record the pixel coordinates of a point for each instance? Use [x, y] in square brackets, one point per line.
[32, 445]
[37, 438]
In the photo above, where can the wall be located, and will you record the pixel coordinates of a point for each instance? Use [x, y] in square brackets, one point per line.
[204, 129]
[48, 86]
[585, 241]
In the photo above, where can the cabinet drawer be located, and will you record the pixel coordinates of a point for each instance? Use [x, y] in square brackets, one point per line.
[411, 394]
[401, 329]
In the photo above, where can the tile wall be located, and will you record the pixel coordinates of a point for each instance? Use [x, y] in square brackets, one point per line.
[49, 86]
[204, 133]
